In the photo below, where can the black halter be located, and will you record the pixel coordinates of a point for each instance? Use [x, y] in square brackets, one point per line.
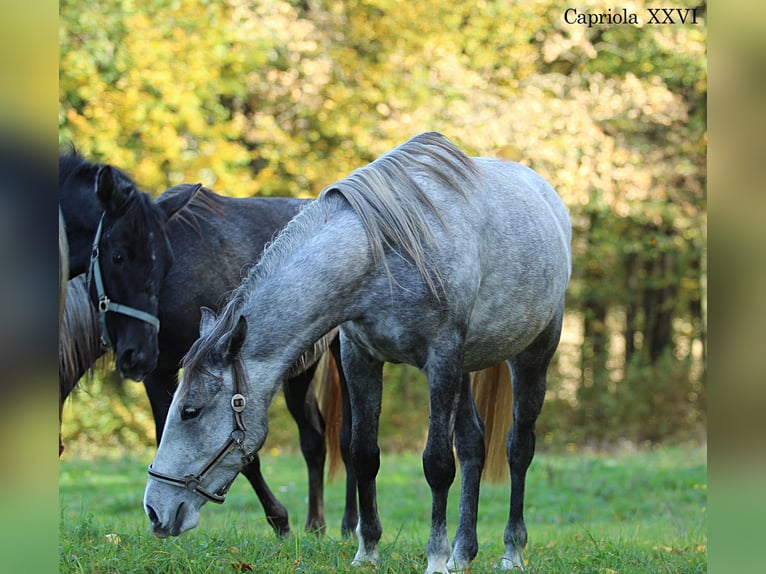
[193, 482]
[105, 305]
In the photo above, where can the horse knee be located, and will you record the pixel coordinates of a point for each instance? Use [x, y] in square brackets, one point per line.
[521, 446]
[439, 467]
[472, 458]
[365, 460]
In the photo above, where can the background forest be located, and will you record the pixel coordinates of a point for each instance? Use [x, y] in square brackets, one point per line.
[284, 97]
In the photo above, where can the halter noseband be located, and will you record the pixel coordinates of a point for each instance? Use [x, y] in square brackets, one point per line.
[105, 304]
[193, 482]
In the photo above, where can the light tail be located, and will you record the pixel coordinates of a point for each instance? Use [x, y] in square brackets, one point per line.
[493, 395]
[327, 386]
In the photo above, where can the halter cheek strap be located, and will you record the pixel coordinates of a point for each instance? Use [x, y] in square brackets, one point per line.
[193, 482]
[106, 305]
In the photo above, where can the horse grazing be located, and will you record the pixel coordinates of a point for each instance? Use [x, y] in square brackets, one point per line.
[116, 233]
[214, 239]
[425, 256]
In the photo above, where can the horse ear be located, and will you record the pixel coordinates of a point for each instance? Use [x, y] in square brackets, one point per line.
[207, 320]
[113, 189]
[172, 203]
[237, 339]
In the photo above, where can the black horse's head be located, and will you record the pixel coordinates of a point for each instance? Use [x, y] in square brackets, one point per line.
[130, 259]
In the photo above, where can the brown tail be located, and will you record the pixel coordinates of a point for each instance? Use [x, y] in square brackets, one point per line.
[327, 385]
[493, 395]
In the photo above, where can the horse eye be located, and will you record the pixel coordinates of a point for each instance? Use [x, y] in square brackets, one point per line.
[190, 413]
[117, 258]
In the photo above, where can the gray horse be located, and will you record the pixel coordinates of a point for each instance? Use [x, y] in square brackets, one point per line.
[426, 257]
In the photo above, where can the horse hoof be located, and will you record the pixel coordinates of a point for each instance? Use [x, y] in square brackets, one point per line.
[511, 564]
[456, 565]
[281, 526]
[363, 558]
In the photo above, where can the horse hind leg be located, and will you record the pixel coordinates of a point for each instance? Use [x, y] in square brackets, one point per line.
[529, 371]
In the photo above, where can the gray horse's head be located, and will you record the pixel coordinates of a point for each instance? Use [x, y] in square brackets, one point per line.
[215, 426]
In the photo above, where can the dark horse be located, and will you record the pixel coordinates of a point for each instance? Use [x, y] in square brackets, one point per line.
[213, 240]
[117, 234]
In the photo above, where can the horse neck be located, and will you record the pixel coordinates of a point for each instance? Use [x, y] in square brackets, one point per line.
[313, 286]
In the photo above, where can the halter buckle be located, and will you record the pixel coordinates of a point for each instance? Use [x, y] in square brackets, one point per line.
[238, 403]
[191, 482]
[103, 304]
[238, 436]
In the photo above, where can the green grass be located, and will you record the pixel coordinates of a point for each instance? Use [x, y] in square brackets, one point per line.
[601, 513]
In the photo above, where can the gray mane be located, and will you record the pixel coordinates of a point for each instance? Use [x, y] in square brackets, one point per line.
[391, 203]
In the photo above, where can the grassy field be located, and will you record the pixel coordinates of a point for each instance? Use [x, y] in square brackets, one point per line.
[632, 512]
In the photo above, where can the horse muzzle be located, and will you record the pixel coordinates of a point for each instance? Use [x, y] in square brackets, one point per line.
[136, 365]
[178, 520]
[137, 353]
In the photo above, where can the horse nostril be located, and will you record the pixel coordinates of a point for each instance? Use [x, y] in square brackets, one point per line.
[132, 358]
[128, 357]
[152, 514]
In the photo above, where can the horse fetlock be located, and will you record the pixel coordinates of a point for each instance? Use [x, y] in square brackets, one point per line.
[316, 526]
[368, 545]
[515, 542]
[462, 554]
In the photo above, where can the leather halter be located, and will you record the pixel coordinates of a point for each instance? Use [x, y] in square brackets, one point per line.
[105, 304]
[193, 482]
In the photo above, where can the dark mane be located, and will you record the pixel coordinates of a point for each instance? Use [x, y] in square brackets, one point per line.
[72, 164]
[142, 214]
[204, 202]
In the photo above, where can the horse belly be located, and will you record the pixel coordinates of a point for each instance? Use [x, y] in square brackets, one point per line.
[491, 340]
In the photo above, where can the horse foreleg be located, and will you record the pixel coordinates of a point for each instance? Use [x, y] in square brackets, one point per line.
[365, 376]
[302, 404]
[469, 443]
[444, 379]
[276, 513]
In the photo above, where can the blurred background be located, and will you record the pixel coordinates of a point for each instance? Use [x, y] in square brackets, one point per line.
[284, 97]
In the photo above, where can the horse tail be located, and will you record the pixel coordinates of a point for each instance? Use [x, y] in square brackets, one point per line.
[79, 344]
[493, 395]
[327, 386]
